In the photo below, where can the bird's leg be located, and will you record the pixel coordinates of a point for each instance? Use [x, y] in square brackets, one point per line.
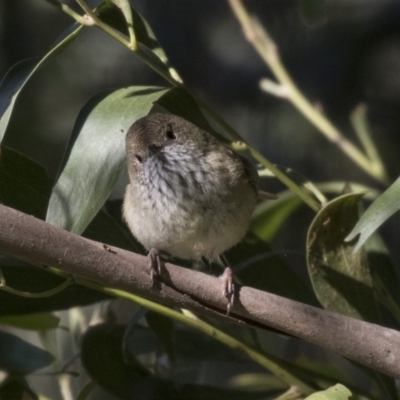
[228, 286]
[154, 263]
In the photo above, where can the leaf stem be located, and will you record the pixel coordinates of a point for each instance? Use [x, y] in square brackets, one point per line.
[358, 119]
[47, 293]
[100, 24]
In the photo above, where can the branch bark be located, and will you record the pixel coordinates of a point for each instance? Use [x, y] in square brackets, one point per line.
[30, 239]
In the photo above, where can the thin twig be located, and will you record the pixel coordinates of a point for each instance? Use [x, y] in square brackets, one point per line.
[267, 49]
[358, 119]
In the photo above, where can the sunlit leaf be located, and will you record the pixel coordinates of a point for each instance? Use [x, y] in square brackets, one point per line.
[376, 214]
[40, 321]
[96, 155]
[337, 392]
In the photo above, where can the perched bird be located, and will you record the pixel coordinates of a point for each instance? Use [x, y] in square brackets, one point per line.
[189, 195]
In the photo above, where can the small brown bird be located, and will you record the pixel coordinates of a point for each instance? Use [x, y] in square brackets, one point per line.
[189, 195]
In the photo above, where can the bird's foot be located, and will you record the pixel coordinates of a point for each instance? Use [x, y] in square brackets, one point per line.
[154, 263]
[228, 288]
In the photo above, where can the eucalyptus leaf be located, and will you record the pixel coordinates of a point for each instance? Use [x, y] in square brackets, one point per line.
[376, 214]
[144, 34]
[179, 102]
[257, 266]
[39, 321]
[341, 278]
[20, 73]
[269, 216]
[337, 392]
[95, 156]
[21, 357]
[163, 329]
[16, 78]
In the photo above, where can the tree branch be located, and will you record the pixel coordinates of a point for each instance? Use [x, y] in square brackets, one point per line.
[37, 242]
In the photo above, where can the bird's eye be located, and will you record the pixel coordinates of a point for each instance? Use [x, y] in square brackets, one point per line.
[140, 159]
[169, 133]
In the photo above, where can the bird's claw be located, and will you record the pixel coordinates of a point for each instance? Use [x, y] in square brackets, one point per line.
[154, 263]
[228, 288]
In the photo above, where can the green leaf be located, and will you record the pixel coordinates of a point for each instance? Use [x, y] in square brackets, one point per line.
[385, 280]
[38, 322]
[23, 183]
[377, 213]
[20, 73]
[341, 278]
[179, 102]
[337, 392]
[270, 215]
[21, 357]
[163, 329]
[144, 34]
[17, 77]
[96, 155]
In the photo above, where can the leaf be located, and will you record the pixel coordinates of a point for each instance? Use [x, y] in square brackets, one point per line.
[144, 34]
[23, 183]
[96, 152]
[16, 78]
[377, 213]
[270, 215]
[21, 357]
[38, 322]
[179, 102]
[385, 279]
[341, 278]
[126, 10]
[337, 392]
[95, 156]
[163, 329]
[20, 73]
